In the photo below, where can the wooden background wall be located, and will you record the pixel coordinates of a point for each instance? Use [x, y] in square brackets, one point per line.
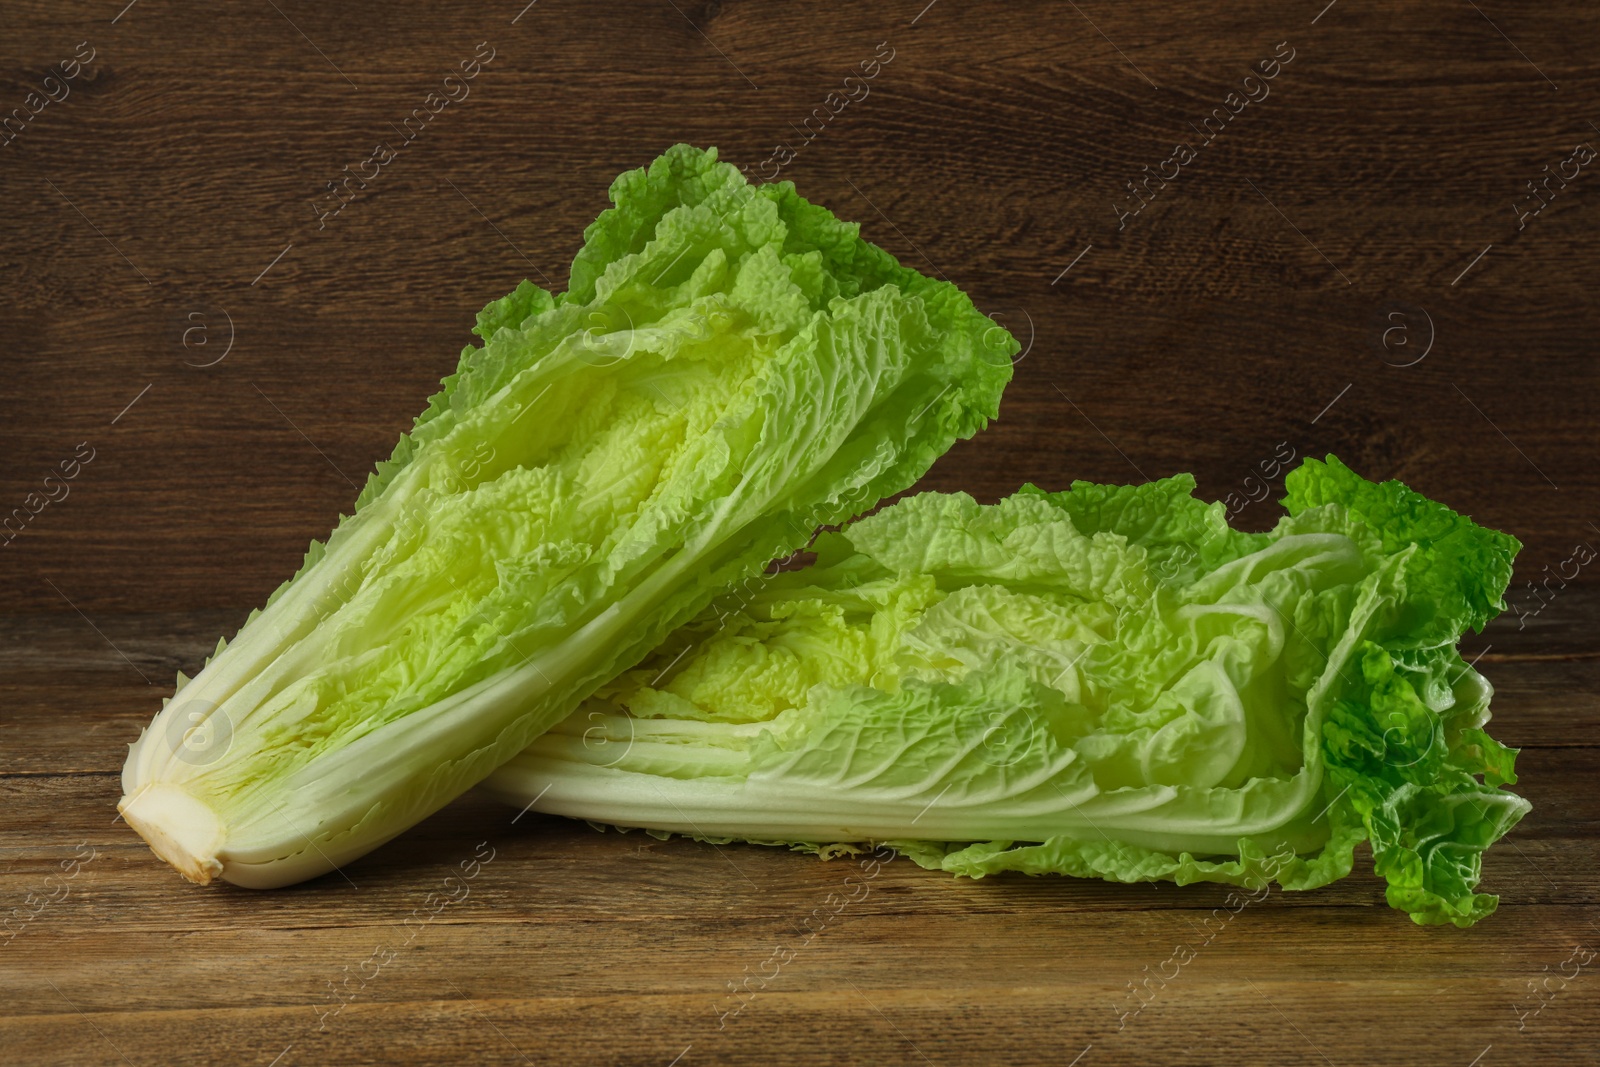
[1221, 321]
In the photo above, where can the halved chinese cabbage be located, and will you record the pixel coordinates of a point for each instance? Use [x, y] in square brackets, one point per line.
[730, 368]
[1106, 682]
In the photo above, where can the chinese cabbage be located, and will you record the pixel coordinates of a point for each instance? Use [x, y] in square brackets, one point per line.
[1105, 682]
[730, 368]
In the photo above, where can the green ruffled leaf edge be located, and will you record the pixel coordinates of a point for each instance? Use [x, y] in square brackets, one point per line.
[1398, 774]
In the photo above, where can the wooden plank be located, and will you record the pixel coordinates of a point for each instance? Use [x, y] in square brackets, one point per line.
[1089, 957]
[1549, 859]
[1229, 1022]
[837, 1007]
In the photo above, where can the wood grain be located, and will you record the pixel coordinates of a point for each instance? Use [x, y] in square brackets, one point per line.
[1247, 305]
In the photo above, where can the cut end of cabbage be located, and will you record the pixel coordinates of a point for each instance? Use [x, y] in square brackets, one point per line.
[179, 828]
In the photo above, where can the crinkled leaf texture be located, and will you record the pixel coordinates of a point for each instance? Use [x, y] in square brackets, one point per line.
[730, 368]
[1106, 682]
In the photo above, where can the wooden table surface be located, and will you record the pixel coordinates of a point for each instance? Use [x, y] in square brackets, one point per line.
[1354, 262]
